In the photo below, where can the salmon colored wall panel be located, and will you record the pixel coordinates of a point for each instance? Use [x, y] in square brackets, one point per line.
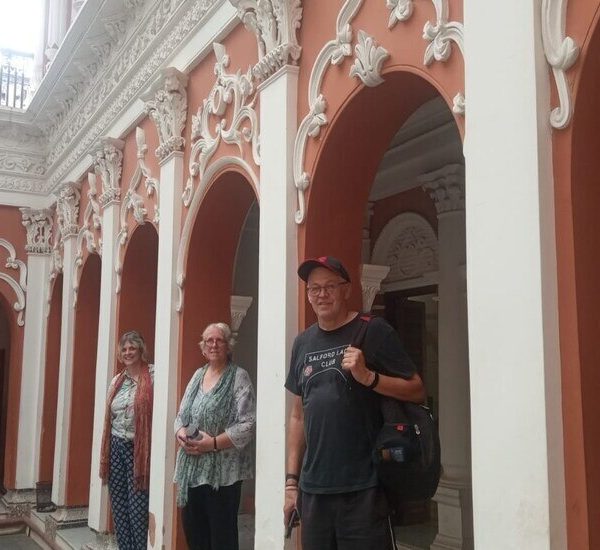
[137, 299]
[51, 383]
[84, 377]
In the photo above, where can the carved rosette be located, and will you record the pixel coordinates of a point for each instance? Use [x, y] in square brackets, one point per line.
[168, 110]
[370, 281]
[275, 24]
[446, 187]
[38, 224]
[67, 207]
[108, 164]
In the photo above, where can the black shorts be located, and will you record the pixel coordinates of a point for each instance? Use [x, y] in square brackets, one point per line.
[358, 520]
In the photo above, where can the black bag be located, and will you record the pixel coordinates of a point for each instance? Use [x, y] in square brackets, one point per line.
[407, 447]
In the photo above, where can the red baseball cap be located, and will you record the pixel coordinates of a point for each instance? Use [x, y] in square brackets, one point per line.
[328, 262]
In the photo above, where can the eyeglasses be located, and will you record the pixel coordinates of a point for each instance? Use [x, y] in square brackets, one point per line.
[214, 342]
[315, 290]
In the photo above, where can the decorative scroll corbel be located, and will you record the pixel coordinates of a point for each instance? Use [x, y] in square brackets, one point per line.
[19, 287]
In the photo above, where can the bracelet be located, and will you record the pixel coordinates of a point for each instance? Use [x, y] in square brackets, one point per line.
[292, 476]
[295, 487]
[373, 384]
[215, 449]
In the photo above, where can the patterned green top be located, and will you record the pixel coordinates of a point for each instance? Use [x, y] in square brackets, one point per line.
[122, 421]
[230, 407]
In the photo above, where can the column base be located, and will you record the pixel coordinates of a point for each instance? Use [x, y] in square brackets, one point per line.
[18, 503]
[455, 516]
[64, 518]
[104, 541]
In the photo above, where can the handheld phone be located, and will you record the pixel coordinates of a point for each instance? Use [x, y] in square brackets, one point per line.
[293, 522]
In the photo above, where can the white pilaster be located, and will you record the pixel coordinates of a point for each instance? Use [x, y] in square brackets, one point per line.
[455, 531]
[277, 298]
[166, 351]
[105, 361]
[516, 416]
[38, 225]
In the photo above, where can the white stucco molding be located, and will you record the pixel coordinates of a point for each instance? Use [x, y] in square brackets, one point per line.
[333, 53]
[38, 224]
[369, 60]
[108, 165]
[441, 34]
[409, 245]
[275, 24]
[67, 208]
[92, 223]
[446, 187]
[232, 94]
[239, 306]
[168, 110]
[400, 10]
[219, 165]
[370, 282]
[133, 203]
[562, 53]
[19, 286]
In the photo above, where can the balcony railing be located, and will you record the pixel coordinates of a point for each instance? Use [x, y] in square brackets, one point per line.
[15, 80]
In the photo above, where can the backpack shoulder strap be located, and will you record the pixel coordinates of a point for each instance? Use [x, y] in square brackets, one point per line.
[361, 331]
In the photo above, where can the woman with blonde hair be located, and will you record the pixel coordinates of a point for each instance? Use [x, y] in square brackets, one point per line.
[214, 427]
[125, 460]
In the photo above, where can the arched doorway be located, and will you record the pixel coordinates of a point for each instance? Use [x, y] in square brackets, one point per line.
[83, 383]
[385, 163]
[221, 273]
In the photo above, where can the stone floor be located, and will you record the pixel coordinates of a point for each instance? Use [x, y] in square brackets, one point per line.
[19, 541]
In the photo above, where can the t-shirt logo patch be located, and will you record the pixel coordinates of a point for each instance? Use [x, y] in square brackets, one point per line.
[307, 371]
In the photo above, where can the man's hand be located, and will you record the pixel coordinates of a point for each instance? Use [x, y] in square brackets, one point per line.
[291, 499]
[354, 362]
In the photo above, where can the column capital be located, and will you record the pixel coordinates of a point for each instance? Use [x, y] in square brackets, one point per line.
[108, 164]
[446, 187]
[38, 224]
[370, 280]
[67, 208]
[168, 110]
[275, 24]
[239, 307]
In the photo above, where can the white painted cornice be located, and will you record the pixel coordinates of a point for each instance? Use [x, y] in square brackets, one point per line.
[562, 53]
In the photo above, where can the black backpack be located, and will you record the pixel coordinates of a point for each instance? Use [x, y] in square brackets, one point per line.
[407, 447]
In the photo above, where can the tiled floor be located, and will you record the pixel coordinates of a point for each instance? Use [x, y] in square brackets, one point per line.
[17, 542]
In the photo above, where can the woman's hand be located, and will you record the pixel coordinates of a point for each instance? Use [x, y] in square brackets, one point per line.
[181, 437]
[203, 443]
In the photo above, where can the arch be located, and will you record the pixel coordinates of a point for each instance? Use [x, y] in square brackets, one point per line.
[360, 134]
[577, 203]
[83, 383]
[137, 299]
[46, 467]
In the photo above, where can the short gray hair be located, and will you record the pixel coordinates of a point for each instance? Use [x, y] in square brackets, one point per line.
[135, 338]
[225, 331]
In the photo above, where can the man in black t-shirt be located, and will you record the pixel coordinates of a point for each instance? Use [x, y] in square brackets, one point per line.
[335, 416]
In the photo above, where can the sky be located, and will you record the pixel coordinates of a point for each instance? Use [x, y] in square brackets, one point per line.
[19, 24]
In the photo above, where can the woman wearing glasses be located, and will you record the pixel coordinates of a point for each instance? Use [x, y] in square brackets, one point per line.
[214, 428]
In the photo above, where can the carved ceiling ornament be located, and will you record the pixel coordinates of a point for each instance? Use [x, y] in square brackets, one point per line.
[408, 244]
[108, 165]
[133, 202]
[562, 53]
[92, 224]
[275, 24]
[19, 286]
[333, 53]
[67, 208]
[236, 91]
[369, 60]
[38, 224]
[168, 110]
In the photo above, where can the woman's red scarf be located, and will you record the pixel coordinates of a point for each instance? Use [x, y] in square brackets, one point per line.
[142, 408]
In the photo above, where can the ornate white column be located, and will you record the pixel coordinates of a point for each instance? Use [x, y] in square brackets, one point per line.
[518, 477]
[108, 159]
[370, 282]
[68, 214]
[455, 528]
[275, 24]
[38, 224]
[167, 108]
